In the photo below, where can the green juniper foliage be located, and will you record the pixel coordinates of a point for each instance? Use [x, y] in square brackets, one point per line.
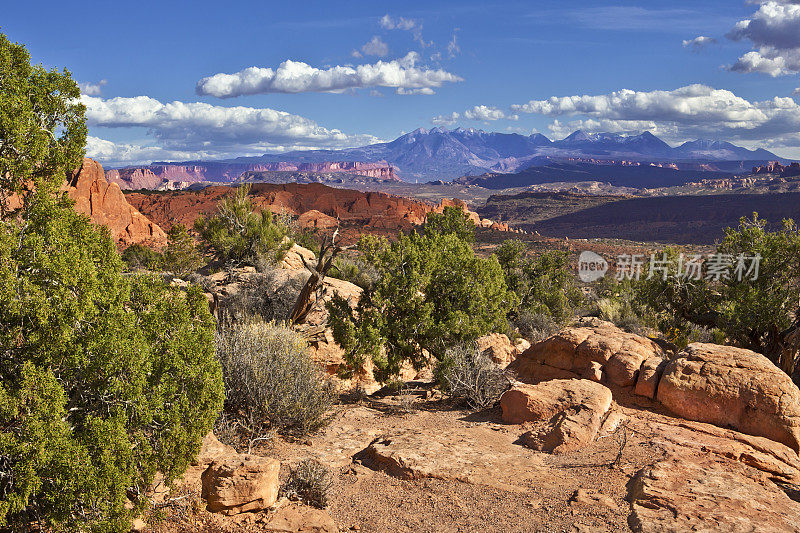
[431, 292]
[544, 286]
[751, 313]
[238, 234]
[42, 125]
[105, 378]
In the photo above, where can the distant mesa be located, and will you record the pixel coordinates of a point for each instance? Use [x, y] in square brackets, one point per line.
[169, 176]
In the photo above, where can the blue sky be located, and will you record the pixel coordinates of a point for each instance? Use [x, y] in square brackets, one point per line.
[547, 66]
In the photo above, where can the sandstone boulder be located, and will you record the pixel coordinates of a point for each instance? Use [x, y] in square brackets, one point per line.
[571, 412]
[571, 352]
[240, 484]
[314, 219]
[293, 260]
[702, 494]
[498, 348]
[212, 450]
[732, 387]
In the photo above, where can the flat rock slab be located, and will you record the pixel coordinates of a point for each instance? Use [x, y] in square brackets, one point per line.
[703, 494]
[476, 455]
[300, 519]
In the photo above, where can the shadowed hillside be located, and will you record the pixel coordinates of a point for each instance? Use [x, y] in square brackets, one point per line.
[676, 219]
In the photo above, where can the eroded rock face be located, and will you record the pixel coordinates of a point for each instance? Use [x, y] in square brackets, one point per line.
[241, 483]
[105, 204]
[733, 387]
[293, 259]
[571, 352]
[701, 494]
[571, 412]
[328, 205]
[649, 376]
[316, 220]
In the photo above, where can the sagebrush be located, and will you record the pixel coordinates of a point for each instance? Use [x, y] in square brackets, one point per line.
[270, 380]
[310, 481]
[470, 376]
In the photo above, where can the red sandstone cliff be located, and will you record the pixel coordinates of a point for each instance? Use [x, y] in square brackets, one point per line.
[105, 204]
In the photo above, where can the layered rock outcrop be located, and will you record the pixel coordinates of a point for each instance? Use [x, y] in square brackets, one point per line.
[105, 204]
[702, 494]
[721, 385]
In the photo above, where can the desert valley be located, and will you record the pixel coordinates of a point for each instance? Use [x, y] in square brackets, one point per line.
[221, 316]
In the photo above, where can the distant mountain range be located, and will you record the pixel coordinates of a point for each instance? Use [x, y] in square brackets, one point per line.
[439, 153]
[427, 155]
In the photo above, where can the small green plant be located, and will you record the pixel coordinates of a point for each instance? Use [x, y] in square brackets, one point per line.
[469, 376]
[140, 257]
[309, 482]
[356, 271]
[270, 380]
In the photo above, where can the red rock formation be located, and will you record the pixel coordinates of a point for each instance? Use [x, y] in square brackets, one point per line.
[355, 209]
[105, 204]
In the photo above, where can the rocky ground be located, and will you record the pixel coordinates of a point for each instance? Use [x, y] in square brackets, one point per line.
[413, 462]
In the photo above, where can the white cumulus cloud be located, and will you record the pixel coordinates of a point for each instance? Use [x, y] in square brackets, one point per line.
[482, 113]
[446, 120]
[688, 112]
[698, 43]
[299, 77]
[487, 113]
[774, 31]
[375, 47]
[208, 131]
